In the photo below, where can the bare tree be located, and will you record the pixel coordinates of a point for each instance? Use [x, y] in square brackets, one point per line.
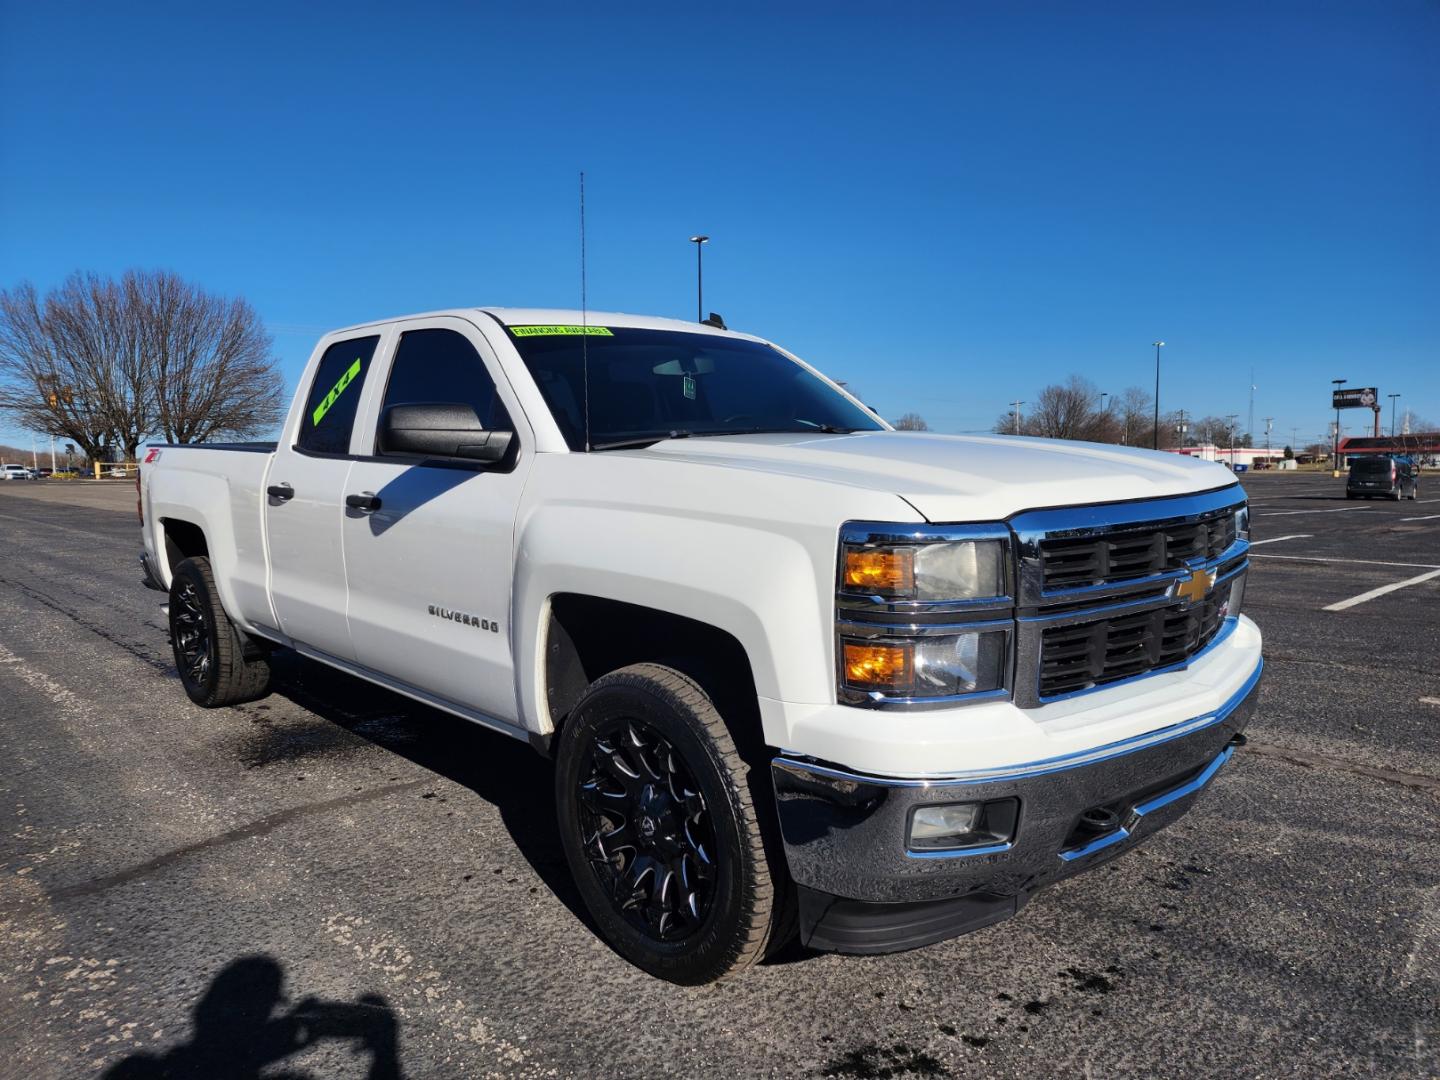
[1071, 410]
[911, 422]
[1135, 416]
[1064, 411]
[106, 363]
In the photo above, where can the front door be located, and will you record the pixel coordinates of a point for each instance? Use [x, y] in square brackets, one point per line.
[305, 500]
[430, 567]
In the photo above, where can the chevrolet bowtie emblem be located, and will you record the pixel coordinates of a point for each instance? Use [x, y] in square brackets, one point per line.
[1196, 587]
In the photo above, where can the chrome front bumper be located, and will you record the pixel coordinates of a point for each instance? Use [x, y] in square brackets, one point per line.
[862, 890]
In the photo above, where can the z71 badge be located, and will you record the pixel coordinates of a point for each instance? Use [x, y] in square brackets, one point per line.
[465, 619]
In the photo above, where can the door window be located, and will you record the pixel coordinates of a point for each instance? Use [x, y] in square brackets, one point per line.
[442, 367]
[335, 396]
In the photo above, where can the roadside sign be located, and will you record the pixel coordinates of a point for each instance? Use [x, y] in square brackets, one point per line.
[1358, 398]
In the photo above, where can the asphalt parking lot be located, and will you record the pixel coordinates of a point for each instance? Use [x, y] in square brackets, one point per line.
[336, 879]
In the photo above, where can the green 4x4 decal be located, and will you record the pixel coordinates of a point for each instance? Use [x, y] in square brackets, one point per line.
[335, 392]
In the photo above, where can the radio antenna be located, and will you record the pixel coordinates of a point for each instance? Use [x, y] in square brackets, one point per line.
[584, 319]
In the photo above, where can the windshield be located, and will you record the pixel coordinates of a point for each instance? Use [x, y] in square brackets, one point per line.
[651, 384]
[1379, 466]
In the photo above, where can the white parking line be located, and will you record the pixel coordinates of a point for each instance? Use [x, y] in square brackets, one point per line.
[1430, 701]
[1277, 539]
[1361, 562]
[1287, 513]
[1426, 517]
[1373, 593]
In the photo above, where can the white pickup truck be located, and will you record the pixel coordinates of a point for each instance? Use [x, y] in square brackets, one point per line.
[798, 672]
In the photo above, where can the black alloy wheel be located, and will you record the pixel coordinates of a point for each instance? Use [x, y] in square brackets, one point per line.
[217, 664]
[194, 643]
[659, 824]
[646, 830]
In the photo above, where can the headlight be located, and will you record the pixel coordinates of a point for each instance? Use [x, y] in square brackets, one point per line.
[925, 613]
[928, 666]
[1242, 522]
[936, 572]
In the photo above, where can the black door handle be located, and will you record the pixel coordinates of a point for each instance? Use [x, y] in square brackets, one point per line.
[283, 492]
[366, 502]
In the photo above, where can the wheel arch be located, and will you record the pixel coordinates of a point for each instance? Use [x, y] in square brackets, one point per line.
[587, 636]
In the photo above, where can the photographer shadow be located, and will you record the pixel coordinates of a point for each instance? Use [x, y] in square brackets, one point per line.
[242, 1029]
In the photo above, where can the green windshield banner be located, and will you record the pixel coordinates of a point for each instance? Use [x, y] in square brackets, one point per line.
[560, 331]
[335, 392]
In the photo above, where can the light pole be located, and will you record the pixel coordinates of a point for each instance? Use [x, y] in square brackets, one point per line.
[1017, 405]
[1232, 418]
[699, 242]
[1335, 443]
[1269, 422]
[1156, 435]
[1392, 398]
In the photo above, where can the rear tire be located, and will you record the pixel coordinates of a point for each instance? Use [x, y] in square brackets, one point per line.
[660, 828]
[209, 648]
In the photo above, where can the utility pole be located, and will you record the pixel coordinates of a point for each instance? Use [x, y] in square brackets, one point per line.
[1335, 442]
[1269, 421]
[1392, 414]
[1016, 405]
[699, 242]
[1156, 435]
[1232, 418]
[1181, 427]
[1250, 422]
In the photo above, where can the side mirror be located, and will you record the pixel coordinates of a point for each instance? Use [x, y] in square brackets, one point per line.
[446, 430]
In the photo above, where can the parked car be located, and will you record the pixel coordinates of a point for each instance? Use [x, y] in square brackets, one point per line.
[14, 472]
[1384, 475]
[798, 672]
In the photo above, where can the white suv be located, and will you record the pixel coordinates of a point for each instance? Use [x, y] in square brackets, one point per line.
[14, 472]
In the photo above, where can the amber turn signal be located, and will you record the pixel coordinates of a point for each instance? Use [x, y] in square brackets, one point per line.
[878, 666]
[888, 573]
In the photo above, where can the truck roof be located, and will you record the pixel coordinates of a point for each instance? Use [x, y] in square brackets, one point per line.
[559, 317]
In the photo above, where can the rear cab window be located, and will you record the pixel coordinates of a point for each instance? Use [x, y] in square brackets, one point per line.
[329, 415]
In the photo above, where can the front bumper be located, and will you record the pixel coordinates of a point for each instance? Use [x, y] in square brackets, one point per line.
[861, 890]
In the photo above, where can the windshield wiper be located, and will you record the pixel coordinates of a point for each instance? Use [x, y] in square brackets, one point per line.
[640, 440]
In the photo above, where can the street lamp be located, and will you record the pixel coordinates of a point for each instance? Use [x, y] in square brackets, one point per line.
[1335, 443]
[699, 242]
[1392, 398]
[1017, 405]
[1156, 435]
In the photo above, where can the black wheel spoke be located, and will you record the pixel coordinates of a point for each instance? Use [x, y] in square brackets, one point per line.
[191, 631]
[646, 831]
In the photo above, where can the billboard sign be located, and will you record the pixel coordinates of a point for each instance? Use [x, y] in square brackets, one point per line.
[1359, 398]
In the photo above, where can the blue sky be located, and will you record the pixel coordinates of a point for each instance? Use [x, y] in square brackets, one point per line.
[946, 205]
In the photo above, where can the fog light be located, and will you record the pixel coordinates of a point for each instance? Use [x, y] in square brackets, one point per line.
[943, 826]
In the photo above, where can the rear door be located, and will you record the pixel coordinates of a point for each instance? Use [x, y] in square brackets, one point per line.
[305, 497]
[430, 568]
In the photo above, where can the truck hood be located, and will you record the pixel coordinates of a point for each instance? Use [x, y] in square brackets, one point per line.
[959, 477]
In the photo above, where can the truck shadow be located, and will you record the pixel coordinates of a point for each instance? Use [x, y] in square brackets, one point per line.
[242, 1029]
[349, 712]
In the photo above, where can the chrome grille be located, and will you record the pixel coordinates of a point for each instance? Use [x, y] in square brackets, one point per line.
[1128, 554]
[1097, 600]
[1085, 655]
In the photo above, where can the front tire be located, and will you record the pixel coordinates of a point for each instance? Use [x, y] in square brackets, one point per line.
[660, 828]
[209, 648]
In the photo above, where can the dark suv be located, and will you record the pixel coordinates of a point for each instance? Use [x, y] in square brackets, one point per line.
[1394, 477]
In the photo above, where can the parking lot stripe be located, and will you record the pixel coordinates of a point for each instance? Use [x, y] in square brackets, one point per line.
[1362, 562]
[1277, 539]
[1426, 517]
[1430, 701]
[1286, 513]
[1381, 591]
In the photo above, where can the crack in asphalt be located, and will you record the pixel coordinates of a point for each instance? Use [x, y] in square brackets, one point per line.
[261, 827]
[1310, 760]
